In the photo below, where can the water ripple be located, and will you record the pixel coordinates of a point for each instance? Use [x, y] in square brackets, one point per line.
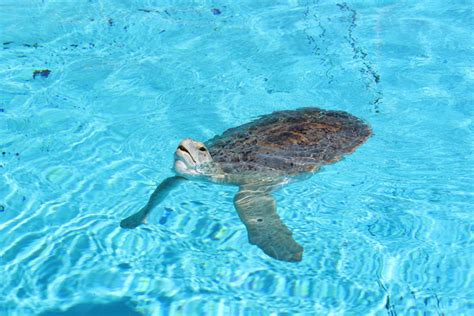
[386, 230]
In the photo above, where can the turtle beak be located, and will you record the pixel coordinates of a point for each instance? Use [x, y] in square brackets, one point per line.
[183, 150]
[186, 153]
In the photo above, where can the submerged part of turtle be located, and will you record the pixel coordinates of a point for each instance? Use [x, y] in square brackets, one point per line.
[258, 157]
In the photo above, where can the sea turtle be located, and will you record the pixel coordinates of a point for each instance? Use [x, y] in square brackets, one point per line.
[259, 157]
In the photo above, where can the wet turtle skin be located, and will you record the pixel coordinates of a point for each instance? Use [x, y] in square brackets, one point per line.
[289, 142]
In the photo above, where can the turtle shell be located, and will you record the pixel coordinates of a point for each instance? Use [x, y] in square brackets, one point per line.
[292, 142]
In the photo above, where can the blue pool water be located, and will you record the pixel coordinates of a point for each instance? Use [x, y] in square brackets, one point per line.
[86, 138]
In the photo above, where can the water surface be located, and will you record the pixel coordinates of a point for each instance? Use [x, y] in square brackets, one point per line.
[386, 231]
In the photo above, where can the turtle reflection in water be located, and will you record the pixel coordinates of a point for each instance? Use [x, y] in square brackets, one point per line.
[259, 157]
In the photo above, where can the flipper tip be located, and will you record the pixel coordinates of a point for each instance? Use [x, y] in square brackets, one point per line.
[131, 221]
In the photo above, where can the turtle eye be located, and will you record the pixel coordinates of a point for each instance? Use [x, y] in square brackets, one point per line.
[202, 149]
[181, 147]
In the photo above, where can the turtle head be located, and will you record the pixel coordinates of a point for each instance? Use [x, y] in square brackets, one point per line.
[192, 159]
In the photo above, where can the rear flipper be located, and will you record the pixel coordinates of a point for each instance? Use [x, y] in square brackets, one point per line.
[257, 210]
[157, 196]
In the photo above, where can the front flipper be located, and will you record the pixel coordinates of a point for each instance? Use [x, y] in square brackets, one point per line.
[257, 210]
[156, 197]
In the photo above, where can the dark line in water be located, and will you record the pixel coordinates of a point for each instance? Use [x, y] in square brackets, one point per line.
[373, 78]
[388, 306]
[319, 47]
[313, 42]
